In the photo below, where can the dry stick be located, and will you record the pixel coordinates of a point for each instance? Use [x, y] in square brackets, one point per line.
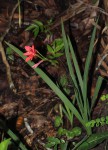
[9, 25]
[7, 67]
[8, 71]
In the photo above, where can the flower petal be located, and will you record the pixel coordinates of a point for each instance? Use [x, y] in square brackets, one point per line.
[37, 64]
[27, 59]
[28, 48]
[27, 54]
[32, 47]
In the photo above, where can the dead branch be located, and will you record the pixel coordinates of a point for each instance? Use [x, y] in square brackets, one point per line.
[8, 71]
[7, 66]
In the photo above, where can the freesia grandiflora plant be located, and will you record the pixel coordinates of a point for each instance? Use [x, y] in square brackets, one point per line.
[80, 83]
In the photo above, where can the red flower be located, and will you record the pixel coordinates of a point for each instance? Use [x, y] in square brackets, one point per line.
[31, 52]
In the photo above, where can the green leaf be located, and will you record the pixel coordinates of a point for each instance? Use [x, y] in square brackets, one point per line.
[4, 144]
[63, 80]
[53, 139]
[58, 41]
[58, 55]
[70, 134]
[106, 96]
[51, 57]
[64, 132]
[54, 62]
[68, 113]
[71, 71]
[103, 98]
[31, 27]
[86, 72]
[58, 48]
[107, 118]
[76, 64]
[36, 31]
[64, 146]
[77, 131]
[91, 123]
[60, 131]
[39, 23]
[49, 144]
[102, 118]
[58, 44]
[50, 49]
[16, 140]
[98, 86]
[93, 140]
[9, 51]
[58, 121]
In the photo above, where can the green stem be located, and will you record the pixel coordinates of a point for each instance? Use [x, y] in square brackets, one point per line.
[16, 139]
[89, 131]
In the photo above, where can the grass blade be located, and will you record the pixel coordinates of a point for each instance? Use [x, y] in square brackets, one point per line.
[86, 71]
[71, 71]
[70, 67]
[78, 73]
[98, 86]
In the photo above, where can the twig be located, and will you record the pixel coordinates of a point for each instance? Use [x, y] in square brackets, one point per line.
[9, 25]
[7, 67]
[101, 60]
[28, 126]
[8, 71]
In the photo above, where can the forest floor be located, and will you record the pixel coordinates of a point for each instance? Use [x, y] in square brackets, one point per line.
[32, 98]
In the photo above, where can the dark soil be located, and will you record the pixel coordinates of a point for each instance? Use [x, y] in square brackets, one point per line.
[33, 99]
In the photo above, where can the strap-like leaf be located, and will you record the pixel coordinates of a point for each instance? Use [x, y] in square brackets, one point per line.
[98, 86]
[86, 72]
[71, 71]
[78, 73]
